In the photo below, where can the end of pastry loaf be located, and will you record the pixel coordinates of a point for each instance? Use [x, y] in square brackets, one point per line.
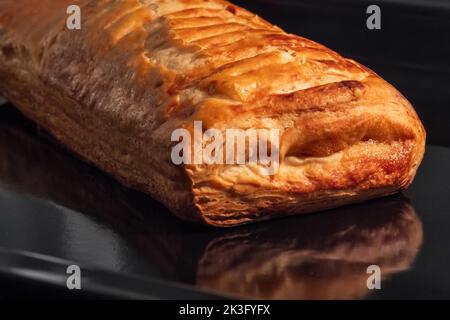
[346, 142]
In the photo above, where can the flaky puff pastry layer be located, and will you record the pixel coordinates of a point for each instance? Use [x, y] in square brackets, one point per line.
[114, 91]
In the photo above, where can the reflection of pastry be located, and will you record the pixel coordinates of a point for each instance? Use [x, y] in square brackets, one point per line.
[320, 257]
[316, 256]
[114, 92]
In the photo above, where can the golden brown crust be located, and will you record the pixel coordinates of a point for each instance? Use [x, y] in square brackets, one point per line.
[114, 91]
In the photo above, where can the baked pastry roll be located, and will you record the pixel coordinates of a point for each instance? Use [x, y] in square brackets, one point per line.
[115, 91]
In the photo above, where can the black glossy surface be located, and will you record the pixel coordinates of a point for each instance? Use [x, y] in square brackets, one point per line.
[53, 204]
